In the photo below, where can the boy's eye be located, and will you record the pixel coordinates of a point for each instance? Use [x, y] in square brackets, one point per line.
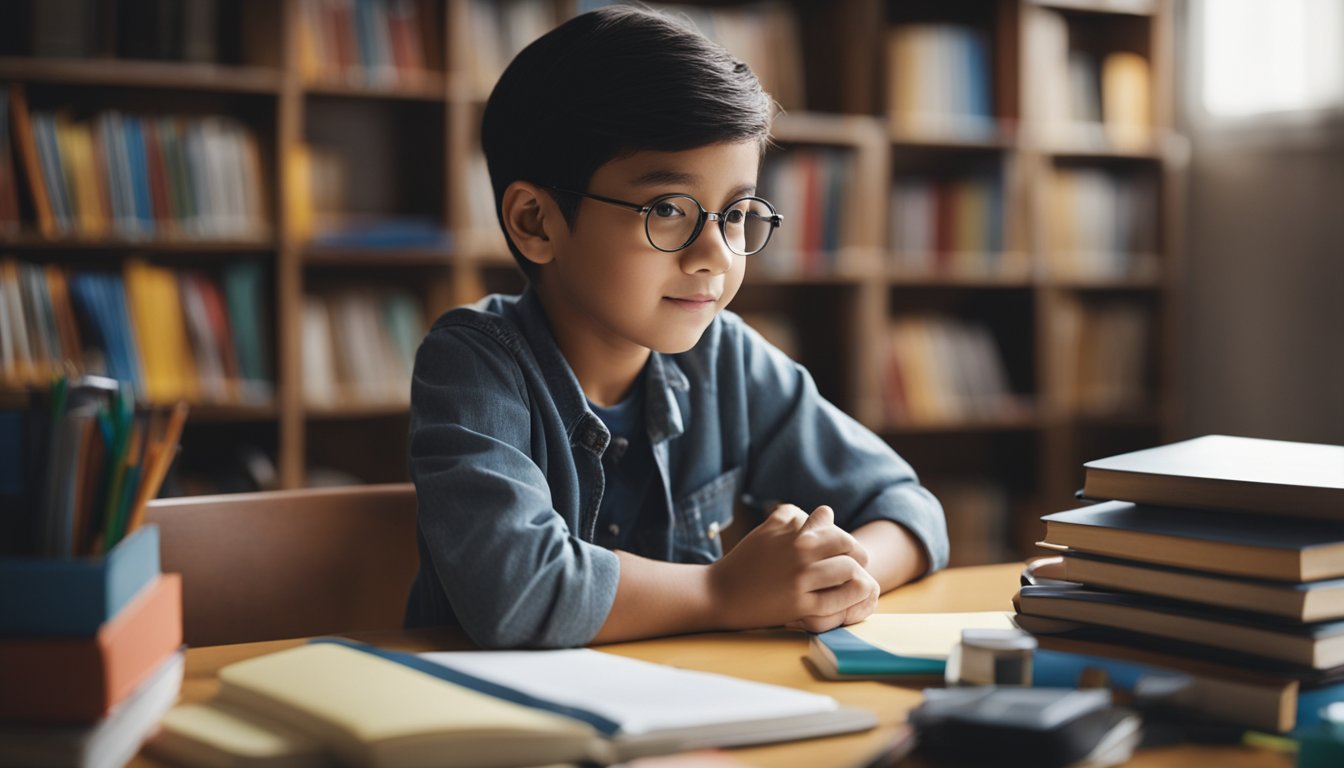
[735, 216]
[667, 209]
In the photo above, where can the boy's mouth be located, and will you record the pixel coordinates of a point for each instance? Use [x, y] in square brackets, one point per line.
[693, 302]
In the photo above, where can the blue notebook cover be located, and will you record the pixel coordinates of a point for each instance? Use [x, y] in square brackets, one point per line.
[857, 657]
[74, 597]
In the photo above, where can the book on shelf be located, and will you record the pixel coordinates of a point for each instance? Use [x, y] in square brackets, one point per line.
[896, 645]
[378, 333]
[1272, 477]
[112, 741]
[978, 520]
[942, 369]
[1318, 645]
[378, 43]
[811, 188]
[499, 30]
[1101, 223]
[949, 226]
[1307, 601]
[129, 29]
[378, 707]
[939, 82]
[1103, 358]
[1081, 97]
[172, 334]
[140, 177]
[1214, 541]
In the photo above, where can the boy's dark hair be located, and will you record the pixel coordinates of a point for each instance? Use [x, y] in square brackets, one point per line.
[604, 85]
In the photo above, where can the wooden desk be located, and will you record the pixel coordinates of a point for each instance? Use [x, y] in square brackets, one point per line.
[770, 656]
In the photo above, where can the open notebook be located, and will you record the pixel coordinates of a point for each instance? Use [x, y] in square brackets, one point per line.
[367, 706]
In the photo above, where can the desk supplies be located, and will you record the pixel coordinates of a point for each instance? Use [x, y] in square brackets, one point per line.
[896, 644]
[372, 707]
[991, 657]
[1038, 727]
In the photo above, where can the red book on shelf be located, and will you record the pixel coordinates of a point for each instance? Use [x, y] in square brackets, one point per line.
[77, 680]
[26, 143]
[813, 207]
[160, 200]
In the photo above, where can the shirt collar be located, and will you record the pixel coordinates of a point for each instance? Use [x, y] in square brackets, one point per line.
[663, 379]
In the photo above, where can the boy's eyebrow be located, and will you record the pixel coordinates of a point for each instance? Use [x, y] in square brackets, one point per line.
[663, 177]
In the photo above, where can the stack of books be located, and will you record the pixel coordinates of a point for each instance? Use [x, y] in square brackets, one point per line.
[1222, 560]
[90, 655]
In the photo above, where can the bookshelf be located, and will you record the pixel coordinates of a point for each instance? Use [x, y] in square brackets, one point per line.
[387, 125]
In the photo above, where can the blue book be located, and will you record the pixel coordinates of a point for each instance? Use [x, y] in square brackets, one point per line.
[144, 205]
[1218, 686]
[73, 597]
[896, 645]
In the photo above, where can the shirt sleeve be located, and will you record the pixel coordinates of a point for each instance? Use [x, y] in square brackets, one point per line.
[510, 567]
[807, 452]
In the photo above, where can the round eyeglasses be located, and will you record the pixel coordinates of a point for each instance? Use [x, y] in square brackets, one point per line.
[673, 221]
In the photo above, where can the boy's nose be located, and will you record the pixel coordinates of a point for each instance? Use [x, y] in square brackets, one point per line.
[709, 253]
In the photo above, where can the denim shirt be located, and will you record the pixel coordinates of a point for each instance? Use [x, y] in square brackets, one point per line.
[506, 457]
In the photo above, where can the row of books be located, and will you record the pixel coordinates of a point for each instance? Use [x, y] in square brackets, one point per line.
[359, 346]
[1103, 357]
[939, 81]
[948, 226]
[942, 369]
[499, 30]
[169, 30]
[1101, 224]
[1082, 96]
[170, 334]
[90, 654]
[367, 42]
[979, 519]
[140, 177]
[811, 188]
[1220, 558]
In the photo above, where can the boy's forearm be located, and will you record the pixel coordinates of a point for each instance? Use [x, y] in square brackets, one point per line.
[655, 598]
[895, 555]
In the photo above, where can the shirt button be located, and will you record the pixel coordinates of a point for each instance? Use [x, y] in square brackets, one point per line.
[712, 532]
[614, 529]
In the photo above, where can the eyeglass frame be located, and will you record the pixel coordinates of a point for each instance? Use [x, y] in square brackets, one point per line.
[775, 219]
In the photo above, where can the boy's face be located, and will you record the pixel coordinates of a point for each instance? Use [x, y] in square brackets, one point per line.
[608, 285]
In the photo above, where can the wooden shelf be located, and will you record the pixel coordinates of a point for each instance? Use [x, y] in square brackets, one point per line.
[177, 76]
[353, 411]
[377, 257]
[432, 89]
[1150, 283]
[1022, 423]
[36, 242]
[215, 413]
[903, 139]
[903, 279]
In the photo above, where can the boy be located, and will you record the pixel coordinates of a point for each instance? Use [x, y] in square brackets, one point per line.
[578, 449]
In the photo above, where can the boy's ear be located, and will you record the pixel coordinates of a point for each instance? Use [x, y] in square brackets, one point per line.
[527, 213]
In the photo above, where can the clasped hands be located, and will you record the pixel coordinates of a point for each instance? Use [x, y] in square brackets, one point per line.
[797, 570]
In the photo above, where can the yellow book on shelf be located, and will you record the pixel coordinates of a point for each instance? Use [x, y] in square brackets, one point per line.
[1126, 96]
[156, 316]
[299, 191]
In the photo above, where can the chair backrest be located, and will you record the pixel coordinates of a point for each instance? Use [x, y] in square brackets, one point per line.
[265, 566]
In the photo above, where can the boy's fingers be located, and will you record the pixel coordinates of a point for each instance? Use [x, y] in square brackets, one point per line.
[831, 572]
[838, 599]
[820, 518]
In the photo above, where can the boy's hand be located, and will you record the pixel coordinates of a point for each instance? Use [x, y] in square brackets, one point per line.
[793, 568]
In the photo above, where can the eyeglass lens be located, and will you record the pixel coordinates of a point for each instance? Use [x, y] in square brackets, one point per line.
[673, 222]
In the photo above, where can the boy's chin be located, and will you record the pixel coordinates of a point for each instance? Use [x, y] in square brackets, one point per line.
[675, 345]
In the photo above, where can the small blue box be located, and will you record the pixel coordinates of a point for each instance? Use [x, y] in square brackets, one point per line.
[72, 598]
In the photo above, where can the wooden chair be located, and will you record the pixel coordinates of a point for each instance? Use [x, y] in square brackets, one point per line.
[265, 566]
